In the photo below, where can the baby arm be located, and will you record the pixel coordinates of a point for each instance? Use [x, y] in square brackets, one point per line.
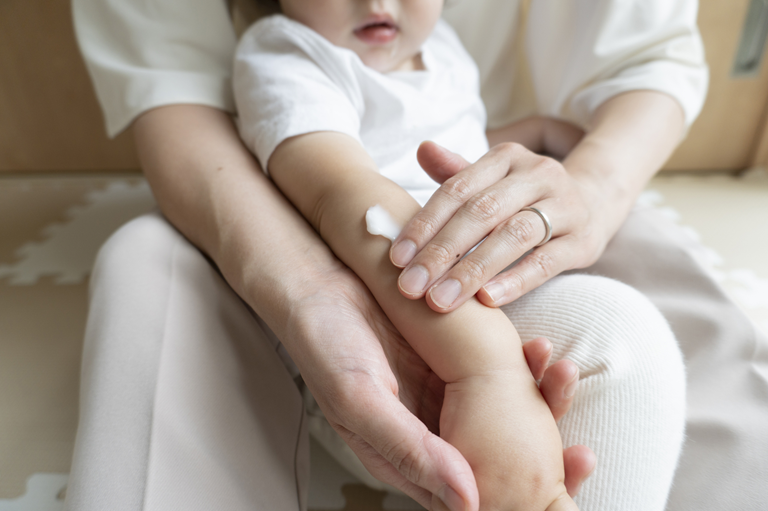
[493, 412]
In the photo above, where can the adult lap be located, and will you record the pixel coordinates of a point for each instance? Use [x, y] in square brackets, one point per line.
[726, 358]
[723, 461]
[185, 402]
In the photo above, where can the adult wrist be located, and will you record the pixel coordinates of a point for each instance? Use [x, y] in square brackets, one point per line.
[276, 286]
[632, 135]
[604, 192]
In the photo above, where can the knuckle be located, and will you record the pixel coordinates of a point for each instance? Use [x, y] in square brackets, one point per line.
[407, 461]
[458, 189]
[510, 148]
[516, 281]
[549, 168]
[439, 254]
[422, 225]
[484, 206]
[544, 263]
[475, 270]
[519, 231]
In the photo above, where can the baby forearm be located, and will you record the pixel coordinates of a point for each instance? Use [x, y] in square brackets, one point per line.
[334, 198]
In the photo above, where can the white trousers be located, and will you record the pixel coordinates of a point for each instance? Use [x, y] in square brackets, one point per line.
[186, 403]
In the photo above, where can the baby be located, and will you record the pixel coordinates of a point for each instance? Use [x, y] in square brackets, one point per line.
[334, 98]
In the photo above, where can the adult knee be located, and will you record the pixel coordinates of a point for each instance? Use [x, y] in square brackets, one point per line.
[130, 284]
[140, 249]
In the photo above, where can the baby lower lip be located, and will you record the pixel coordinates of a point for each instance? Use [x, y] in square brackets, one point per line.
[377, 33]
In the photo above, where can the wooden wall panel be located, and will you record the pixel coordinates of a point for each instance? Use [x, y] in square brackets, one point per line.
[49, 118]
[761, 151]
[726, 134]
[50, 121]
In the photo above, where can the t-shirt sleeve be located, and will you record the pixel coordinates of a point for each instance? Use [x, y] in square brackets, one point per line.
[289, 82]
[583, 53]
[143, 54]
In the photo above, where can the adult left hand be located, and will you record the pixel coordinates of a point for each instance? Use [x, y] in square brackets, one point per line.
[631, 136]
[486, 199]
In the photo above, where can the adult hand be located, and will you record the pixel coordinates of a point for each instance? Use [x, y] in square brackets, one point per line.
[485, 199]
[385, 401]
[631, 136]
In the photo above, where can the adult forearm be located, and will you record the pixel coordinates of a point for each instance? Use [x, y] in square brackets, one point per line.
[211, 188]
[631, 137]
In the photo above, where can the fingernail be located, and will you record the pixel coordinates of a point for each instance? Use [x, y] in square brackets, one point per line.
[414, 280]
[450, 498]
[495, 291]
[570, 389]
[446, 293]
[402, 253]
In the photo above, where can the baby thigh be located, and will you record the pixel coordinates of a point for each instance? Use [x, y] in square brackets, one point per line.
[630, 404]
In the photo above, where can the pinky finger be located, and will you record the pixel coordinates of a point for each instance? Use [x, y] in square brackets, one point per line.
[537, 353]
[579, 461]
[558, 386]
[535, 269]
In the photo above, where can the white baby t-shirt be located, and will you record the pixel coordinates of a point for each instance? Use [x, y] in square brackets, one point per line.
[289, 81]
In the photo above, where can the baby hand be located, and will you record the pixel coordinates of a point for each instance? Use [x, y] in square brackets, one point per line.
[502, 426]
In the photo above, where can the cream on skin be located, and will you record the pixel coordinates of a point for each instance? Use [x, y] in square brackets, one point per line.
[379, 222]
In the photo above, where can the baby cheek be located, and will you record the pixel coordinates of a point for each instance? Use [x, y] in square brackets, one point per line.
[419, 31]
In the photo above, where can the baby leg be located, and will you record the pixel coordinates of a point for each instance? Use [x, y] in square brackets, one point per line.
[630, 406]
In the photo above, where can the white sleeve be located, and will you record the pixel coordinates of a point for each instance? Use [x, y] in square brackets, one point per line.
[583, 53]
[142, 54]
[288, 81]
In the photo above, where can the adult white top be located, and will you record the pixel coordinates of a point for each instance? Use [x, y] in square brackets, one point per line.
[289, 80]
[142, 54]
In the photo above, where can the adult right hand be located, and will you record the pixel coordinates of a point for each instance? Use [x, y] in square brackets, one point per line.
[385, 402]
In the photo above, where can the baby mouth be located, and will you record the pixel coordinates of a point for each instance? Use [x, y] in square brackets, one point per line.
[377, 31]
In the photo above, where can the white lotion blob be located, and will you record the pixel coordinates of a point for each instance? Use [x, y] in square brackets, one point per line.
[379, 222]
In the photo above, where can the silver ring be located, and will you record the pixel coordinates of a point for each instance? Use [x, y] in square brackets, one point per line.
[547, 225]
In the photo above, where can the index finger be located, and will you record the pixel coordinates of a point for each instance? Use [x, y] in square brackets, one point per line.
[457, 190]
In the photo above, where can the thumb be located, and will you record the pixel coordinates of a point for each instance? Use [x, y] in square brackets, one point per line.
[439, 162]
[415, 460]
[563, 503]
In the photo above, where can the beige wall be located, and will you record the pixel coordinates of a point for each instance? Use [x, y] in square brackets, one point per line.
[50, 121]
[726, 135]
[49, 118]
